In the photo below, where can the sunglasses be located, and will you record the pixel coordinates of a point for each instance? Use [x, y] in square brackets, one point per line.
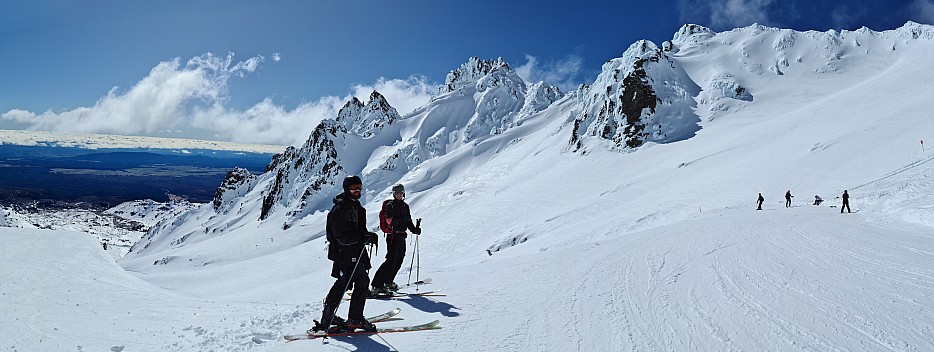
[357, 189]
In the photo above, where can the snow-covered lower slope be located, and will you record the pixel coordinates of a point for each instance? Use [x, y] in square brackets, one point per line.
[805, 278]
[656, 248]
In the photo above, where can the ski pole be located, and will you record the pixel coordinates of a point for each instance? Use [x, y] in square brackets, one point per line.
[418, 224]
[412, 263]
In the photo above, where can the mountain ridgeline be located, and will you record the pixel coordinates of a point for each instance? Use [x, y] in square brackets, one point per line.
[651, 94]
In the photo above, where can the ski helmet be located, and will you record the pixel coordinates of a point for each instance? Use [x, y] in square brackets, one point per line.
[351, 180]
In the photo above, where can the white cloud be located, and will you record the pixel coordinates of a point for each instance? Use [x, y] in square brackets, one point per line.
[155, 103]
[726, 14]
[276, 57]
[265, 122]
[191, 100]
[739, 13]
[562, 73]
[923, 11]
[404, 95]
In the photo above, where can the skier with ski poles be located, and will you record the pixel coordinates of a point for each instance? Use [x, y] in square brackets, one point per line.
[788, 197]
[347, 236]
[395, 219]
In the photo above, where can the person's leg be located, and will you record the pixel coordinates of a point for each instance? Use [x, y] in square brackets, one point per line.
[361, 281]
[395, 258]
[333, 299]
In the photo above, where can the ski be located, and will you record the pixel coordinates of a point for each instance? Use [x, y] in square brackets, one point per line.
[397, 295]
[388, 316]
[427, 326]
[416, 283]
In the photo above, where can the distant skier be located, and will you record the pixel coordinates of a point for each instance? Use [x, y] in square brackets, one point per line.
[846, 202]
[817, 200]
[760, 200]
[398, 219]
[788, 197]
[347, 236]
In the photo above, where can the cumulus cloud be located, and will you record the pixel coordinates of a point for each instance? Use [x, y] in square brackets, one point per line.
[276, 57]
[155, 103]
[403, 94]
[923, 11]
[265, 122]
[191, 99]
[562, 73]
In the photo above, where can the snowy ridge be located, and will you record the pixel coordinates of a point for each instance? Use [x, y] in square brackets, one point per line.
[644, 96]
[659, 240]
[369, 139]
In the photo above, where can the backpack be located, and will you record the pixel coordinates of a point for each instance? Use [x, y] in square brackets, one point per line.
[385, 224]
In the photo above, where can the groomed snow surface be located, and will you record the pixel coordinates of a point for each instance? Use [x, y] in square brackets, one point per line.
[805, 278]
[658, 249]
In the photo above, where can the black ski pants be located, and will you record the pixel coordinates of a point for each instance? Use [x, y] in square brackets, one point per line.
[846, 204]
[359, 281]
[395, 256]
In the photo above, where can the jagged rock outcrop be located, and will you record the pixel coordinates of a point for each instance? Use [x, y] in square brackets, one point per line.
[502, 97]
[473, 71]
[366, 120]
[236, 184]
[690, 34]
[301, 173]
[304, 179]
[643, 96]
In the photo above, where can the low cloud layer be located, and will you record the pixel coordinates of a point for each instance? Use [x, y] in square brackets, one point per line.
[190, 100]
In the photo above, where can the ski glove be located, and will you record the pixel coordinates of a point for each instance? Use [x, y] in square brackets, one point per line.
[372, 238]
[417, 230]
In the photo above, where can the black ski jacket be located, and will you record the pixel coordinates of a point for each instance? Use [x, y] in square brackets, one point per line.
[347, 233]
[400, 218]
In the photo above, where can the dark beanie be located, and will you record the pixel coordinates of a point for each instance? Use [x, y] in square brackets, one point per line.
[398, 188]
[351, 180]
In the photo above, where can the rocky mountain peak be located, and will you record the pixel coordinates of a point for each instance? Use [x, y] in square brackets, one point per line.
[366, 120]
[643, 96]
[692, 33]
[472, 71]
[238, 182]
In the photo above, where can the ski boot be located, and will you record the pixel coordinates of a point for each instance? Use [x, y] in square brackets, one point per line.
[380, 292]
[338, 324]
[354, 324]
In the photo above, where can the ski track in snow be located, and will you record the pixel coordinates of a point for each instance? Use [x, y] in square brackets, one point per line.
[654, 250]
[800, 279]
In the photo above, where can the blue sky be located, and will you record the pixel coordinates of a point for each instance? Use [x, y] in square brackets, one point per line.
[164, 68]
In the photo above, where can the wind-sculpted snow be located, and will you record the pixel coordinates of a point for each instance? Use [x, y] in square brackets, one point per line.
[661, 242]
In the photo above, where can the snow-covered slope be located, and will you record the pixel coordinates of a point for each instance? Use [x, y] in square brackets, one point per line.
[652, 233]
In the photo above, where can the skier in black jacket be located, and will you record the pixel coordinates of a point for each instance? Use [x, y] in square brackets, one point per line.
[400, 220]
[348, 237]
[846, 202]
